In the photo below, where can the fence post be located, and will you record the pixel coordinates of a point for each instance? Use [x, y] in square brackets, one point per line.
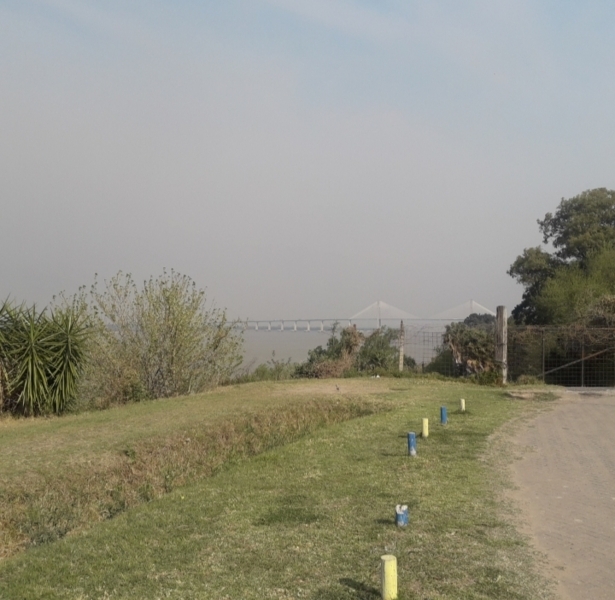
[583, 359]
[543, 355]
[501, 341]
[401, 346]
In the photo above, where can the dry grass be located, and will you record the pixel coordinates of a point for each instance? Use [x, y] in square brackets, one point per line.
[63, 474]
[57, 443]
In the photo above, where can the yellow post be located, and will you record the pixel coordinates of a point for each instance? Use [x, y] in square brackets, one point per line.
[388, 573]
[425, 432]
[462, 405]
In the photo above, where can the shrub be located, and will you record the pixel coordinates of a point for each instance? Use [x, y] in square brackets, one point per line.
[442, 363]
[473, 348]
[338, 356]
[468, 349]
[156, 341]
[41, 357]
[351, 353]
[377, 352]
[273, 370]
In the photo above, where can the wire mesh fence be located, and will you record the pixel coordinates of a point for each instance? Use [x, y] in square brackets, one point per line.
[568, 356]
[423, 340]
[424, 344]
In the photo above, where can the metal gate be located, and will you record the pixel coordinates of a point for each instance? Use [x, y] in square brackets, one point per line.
[569, 356]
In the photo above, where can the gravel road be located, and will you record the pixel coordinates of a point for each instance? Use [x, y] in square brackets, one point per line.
[566, 490]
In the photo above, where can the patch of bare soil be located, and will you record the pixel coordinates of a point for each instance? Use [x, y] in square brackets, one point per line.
[566, 491]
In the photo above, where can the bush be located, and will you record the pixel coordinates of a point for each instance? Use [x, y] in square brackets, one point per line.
[41, 358]
[272, 370]
[473, 348]
[338, 357]
[468, 349]
[156, 341]
[353, 354]
[442, 363]
[377, 352]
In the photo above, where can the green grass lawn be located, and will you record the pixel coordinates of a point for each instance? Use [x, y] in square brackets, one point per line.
[311, 518]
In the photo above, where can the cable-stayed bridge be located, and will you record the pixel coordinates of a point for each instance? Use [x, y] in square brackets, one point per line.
[373, 317]
[325, 324]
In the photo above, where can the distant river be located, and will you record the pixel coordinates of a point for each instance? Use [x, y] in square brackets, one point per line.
[258, 345]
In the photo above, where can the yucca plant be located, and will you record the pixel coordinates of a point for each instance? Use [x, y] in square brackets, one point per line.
[41, 356]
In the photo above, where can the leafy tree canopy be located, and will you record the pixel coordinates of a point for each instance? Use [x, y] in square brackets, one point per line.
[582, 225]
[575, 293]
[556, 284]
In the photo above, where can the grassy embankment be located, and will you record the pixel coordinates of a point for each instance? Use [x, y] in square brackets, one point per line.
[305, 520]
[60, 475]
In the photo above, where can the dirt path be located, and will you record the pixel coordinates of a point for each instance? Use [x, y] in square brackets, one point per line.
[566, 480]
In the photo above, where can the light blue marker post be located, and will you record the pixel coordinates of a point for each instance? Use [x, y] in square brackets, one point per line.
[411, 443]
[443, 415]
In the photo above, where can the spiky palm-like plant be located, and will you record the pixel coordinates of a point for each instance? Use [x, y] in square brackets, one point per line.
[41, 355]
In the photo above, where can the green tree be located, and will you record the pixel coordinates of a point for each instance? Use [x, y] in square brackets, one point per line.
[378, 351]
[581, 228]
[532, 269]
[574, 293]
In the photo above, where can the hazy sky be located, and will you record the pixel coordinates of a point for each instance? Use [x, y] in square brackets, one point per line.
[297, 158]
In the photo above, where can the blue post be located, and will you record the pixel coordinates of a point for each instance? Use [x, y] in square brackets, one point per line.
[443, 415]
[411, 443]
